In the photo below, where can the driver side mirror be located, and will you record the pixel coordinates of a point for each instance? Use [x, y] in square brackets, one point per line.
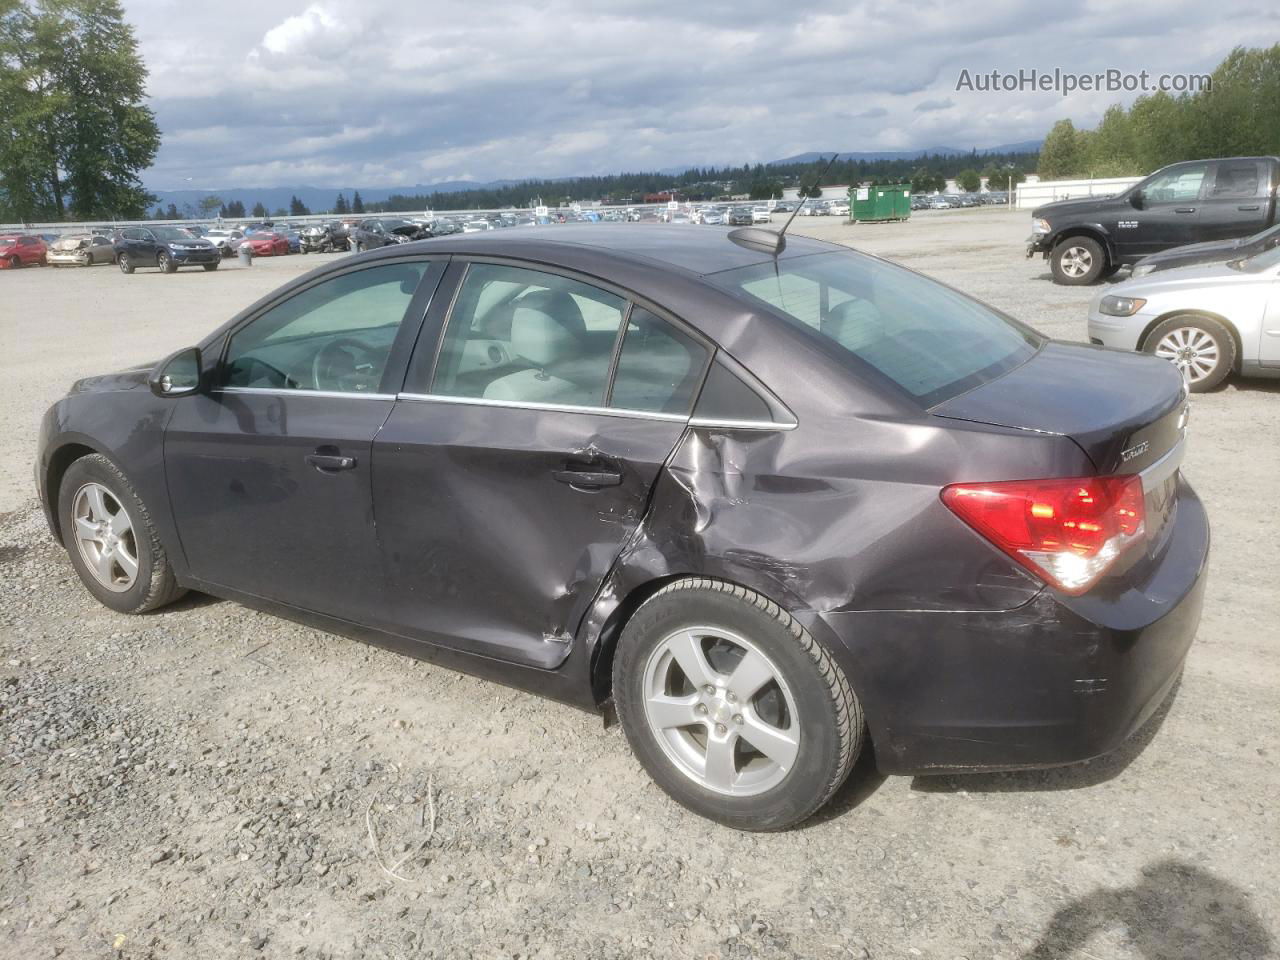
[178, 375]
[1136, 200]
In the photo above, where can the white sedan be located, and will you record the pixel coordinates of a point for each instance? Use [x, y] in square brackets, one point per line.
[761, 215]
[1208, 320]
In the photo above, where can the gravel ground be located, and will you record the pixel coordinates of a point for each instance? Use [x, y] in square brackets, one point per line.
[212, 782]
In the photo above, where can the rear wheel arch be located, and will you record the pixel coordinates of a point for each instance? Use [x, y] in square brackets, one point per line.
[1206, 314]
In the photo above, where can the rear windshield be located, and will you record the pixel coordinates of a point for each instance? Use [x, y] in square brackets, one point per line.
[929, 340]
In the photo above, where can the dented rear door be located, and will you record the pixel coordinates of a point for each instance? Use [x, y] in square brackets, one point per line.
[497, 524]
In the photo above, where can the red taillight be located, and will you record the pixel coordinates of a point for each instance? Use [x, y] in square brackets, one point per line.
[1067, 531]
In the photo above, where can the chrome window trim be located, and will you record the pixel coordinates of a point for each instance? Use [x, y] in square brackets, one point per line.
[1154, 476]
[549, 407]
[285, 392]
[711, 422]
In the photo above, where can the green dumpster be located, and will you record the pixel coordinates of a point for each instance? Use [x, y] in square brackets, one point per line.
[881, 202]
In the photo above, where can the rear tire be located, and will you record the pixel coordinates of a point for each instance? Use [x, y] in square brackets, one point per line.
[1202, 349]
[151, 583]
[1077, 261]
[770, 743]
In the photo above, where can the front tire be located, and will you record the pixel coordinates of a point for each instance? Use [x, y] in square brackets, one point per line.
[113, 545]
[732, 707]
[210, 266]
[1202, 349]
[165, 263]
[1077, 261]
[124, 263]
[15, 262]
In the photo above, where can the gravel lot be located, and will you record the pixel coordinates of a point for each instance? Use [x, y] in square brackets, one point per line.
[213, 782]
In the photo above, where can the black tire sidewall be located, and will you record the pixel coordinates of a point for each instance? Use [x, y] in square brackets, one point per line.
[1094, 274]
[1221, 336]
[792, 800]
[97, 469]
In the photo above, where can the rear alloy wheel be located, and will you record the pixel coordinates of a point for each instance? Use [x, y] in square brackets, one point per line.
[165, 262]
[124, 263]
[109, 536]
[1077, 261]
[732, 707]
[1201, 348]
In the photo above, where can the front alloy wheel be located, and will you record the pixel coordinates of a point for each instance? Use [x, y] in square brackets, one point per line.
[1201, 348]
[124, 263]
[1077, 261]
[105, 538]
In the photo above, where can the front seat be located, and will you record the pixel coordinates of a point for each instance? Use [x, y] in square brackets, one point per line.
[549, 341]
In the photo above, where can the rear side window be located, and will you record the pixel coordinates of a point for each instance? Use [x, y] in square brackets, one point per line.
[929, 340]
[1239, 180]
[659, 367]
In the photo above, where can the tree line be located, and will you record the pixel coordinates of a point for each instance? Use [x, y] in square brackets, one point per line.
[1237, 115]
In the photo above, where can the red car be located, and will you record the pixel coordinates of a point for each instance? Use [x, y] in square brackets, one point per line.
[22, 251]
[264, 243]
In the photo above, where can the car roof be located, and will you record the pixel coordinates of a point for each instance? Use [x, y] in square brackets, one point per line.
[691, 251]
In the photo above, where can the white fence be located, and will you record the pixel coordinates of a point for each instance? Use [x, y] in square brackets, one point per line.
[1032, 195]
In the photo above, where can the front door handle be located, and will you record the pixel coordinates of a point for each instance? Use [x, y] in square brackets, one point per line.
[1254, 206]
[330, 462]
[589, 479]
[1184, 209]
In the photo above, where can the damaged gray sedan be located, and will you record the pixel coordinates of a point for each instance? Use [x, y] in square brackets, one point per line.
[776, 502]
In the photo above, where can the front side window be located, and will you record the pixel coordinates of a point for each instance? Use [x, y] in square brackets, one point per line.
[334, 336]
[1176, 186]
[929, 340]
[524, 336]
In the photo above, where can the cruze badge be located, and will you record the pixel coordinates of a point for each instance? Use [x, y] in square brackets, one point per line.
[1136, 450]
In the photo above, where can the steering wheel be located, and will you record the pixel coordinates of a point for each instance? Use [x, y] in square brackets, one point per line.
[273, 375]
[343, 364]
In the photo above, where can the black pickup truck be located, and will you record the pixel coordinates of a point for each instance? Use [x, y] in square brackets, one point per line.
[1198, 200]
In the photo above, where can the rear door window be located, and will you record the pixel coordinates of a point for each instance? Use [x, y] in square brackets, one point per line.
[1239, 180]
[659, 367]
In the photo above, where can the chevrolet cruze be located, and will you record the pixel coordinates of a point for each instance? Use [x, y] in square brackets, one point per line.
[774, 501]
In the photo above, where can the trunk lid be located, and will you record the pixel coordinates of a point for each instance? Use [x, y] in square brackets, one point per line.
[1125, 410]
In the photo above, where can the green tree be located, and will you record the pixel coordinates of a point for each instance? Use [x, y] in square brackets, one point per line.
[235, 209]
[297, 208]
[74, 131]
[1061, 155]
[340, 205]
[210, 203]
[357, 204]
[172, 213]
[969, 180]
[280, 212]
[259, 210]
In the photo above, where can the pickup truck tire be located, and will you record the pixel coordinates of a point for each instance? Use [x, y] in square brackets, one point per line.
[1078, 261]
[1200, 347]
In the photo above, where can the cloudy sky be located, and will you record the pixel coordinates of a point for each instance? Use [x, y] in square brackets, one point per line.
[388, 92]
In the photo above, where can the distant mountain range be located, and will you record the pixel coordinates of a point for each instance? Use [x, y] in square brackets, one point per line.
[322, 198]
[1026, 146]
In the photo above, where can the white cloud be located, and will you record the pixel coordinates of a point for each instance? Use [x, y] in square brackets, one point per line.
[385, 92]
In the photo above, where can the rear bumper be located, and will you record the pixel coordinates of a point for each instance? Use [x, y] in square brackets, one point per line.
[1056, 681]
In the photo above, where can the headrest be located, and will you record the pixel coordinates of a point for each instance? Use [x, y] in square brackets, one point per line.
[560, 305]
[540, 337]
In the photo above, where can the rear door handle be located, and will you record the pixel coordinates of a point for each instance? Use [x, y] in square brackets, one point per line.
[331, 462]
[1184, 209]
[589, 478]
[1255, 206]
